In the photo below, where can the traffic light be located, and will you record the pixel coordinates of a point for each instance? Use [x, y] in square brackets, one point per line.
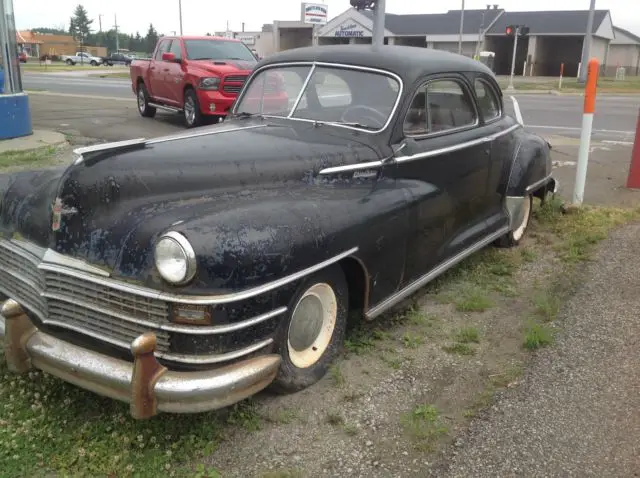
[521, 30]
[524, 31]
[363, 4]
[511, 30]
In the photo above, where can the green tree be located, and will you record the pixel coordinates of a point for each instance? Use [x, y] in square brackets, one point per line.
[79, 24]
[151, 39]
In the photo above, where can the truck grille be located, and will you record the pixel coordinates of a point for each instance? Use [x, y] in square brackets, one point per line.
[91, 309]
[235, 79]
[236, 87]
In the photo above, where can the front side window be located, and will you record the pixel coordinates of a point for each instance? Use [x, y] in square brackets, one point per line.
[218, 50]
[334, 95]
[176, 49]
[162, 48]
[439, 106]
[487, 100]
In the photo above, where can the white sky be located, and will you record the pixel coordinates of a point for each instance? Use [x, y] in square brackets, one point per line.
[199, 17]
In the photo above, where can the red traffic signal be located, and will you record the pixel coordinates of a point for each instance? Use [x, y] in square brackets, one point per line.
[510, 31]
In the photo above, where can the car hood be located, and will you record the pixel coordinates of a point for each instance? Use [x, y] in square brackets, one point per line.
[113, 204]
[223, 67]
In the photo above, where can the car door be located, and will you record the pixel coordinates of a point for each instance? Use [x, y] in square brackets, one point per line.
[444, 163]
[157, 73]
[173, 74]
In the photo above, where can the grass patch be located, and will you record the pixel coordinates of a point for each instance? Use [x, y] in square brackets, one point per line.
[412, 341]
[31, 158]
[282, 417]
[336, 374]
[335, 419]
[473, 299]
[547, 304]
[468, 335]
[393, 361]
[245, 415]
[537, 336]
[459, 349]
[203, 471]
[350, 429]
[424, 425]
[570, 85]
[119, 74]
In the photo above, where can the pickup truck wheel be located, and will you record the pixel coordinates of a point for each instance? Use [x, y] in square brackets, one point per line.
[312, 336]
[515, 235]
[143, 102]
[69, 62]
[192, 113]
[94, 63]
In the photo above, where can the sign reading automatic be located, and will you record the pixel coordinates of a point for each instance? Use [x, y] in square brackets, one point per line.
[349, 30]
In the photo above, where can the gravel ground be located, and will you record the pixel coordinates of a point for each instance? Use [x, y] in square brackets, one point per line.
[577, 412]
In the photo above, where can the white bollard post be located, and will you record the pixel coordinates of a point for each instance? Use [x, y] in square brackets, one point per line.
[587, 125]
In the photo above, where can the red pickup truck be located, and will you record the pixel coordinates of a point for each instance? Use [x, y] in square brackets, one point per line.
[199, 77]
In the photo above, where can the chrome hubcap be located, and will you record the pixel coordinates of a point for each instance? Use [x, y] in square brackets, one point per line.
[524, 220]
[141, 100]
[189, 110]
[312, 325]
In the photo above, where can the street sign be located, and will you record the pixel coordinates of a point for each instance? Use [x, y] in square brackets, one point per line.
[315, 13]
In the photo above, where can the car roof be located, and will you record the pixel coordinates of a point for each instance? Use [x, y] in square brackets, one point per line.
[192, 37]
[410, 63]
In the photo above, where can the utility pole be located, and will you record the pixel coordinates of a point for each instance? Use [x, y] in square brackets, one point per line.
[378, 23]
[100, 21]
[461, 29]
[180, 12]
[115, 20]
[586, 45]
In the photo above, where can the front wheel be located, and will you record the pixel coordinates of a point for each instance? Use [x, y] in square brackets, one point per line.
[69, 62]
[191, 109]
[520, 224]
[94, 63]
[313, 335]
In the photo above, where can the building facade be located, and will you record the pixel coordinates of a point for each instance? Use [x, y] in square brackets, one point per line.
[555, 37]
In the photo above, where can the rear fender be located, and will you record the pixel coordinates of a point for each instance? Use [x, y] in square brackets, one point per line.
[531, 167]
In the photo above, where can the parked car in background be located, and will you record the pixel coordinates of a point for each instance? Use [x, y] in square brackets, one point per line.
[22, 57]
[117, 59]
[81, 57]
[199, 77]
[185, 273]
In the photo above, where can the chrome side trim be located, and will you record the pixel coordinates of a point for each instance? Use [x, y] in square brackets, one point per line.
[331, 65]
[457, 147]
[105, 146]
[351, 167]
[513, 162]
[222, 329]
[196, 300]
[214, 130]
[52, 257]
[429, 276]
[537, 184]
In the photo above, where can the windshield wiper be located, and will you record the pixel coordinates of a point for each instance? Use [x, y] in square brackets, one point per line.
[245, 114]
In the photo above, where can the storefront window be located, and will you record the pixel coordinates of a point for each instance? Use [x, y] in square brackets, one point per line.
[10, 81]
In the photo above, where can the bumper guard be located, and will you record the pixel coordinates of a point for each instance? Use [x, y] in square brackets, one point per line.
[145, 384]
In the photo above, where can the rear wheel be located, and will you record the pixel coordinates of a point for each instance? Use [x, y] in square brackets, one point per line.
[191, 109]
[313, 335]
[69, 62]
[94, 63]
[144, 108]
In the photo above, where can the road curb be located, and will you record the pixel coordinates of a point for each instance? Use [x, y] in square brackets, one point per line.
[90, 97]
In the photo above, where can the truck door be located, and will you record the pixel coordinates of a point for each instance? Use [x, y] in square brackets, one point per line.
[174, 75]
[157, 86]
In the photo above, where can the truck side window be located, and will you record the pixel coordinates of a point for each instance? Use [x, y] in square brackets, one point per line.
[162, 48]
[176, 49]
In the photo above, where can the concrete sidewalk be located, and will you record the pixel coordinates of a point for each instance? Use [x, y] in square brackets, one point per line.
[577, 412]
[40, 138]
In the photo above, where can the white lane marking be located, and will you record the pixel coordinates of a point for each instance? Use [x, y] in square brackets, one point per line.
[622, 143]
[575, 128]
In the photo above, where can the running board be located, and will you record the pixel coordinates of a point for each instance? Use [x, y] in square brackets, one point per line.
[428, 277]
[167, 108]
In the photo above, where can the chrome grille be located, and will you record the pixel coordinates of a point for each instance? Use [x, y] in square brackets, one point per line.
[235, 79]
[20, 278]
[63, 300]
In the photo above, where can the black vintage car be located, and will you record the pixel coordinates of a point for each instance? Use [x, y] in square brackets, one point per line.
[187, 272]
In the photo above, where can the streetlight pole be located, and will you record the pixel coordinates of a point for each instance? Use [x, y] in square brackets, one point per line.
[378, 23]
[461, 29]
[586, 46]
[180, 13]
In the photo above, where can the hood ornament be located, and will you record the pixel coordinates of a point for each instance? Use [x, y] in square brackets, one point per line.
[58, 210]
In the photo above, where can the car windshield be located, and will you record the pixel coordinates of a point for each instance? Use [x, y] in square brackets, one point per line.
[217, 50]
[340, 96]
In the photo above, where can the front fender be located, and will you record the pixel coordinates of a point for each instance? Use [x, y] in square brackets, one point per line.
[530, 167]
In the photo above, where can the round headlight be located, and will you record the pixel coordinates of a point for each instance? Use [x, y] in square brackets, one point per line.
[175, 258]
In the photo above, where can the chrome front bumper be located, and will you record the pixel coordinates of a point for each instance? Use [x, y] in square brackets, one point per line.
[145, 384]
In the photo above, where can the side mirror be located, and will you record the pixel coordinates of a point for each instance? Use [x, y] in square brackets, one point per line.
[171, 57]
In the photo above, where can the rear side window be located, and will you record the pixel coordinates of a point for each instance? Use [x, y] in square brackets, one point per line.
[487, 100]
[162, 48]
[439, 106]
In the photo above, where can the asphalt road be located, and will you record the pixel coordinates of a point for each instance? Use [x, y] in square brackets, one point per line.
[615, 117]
